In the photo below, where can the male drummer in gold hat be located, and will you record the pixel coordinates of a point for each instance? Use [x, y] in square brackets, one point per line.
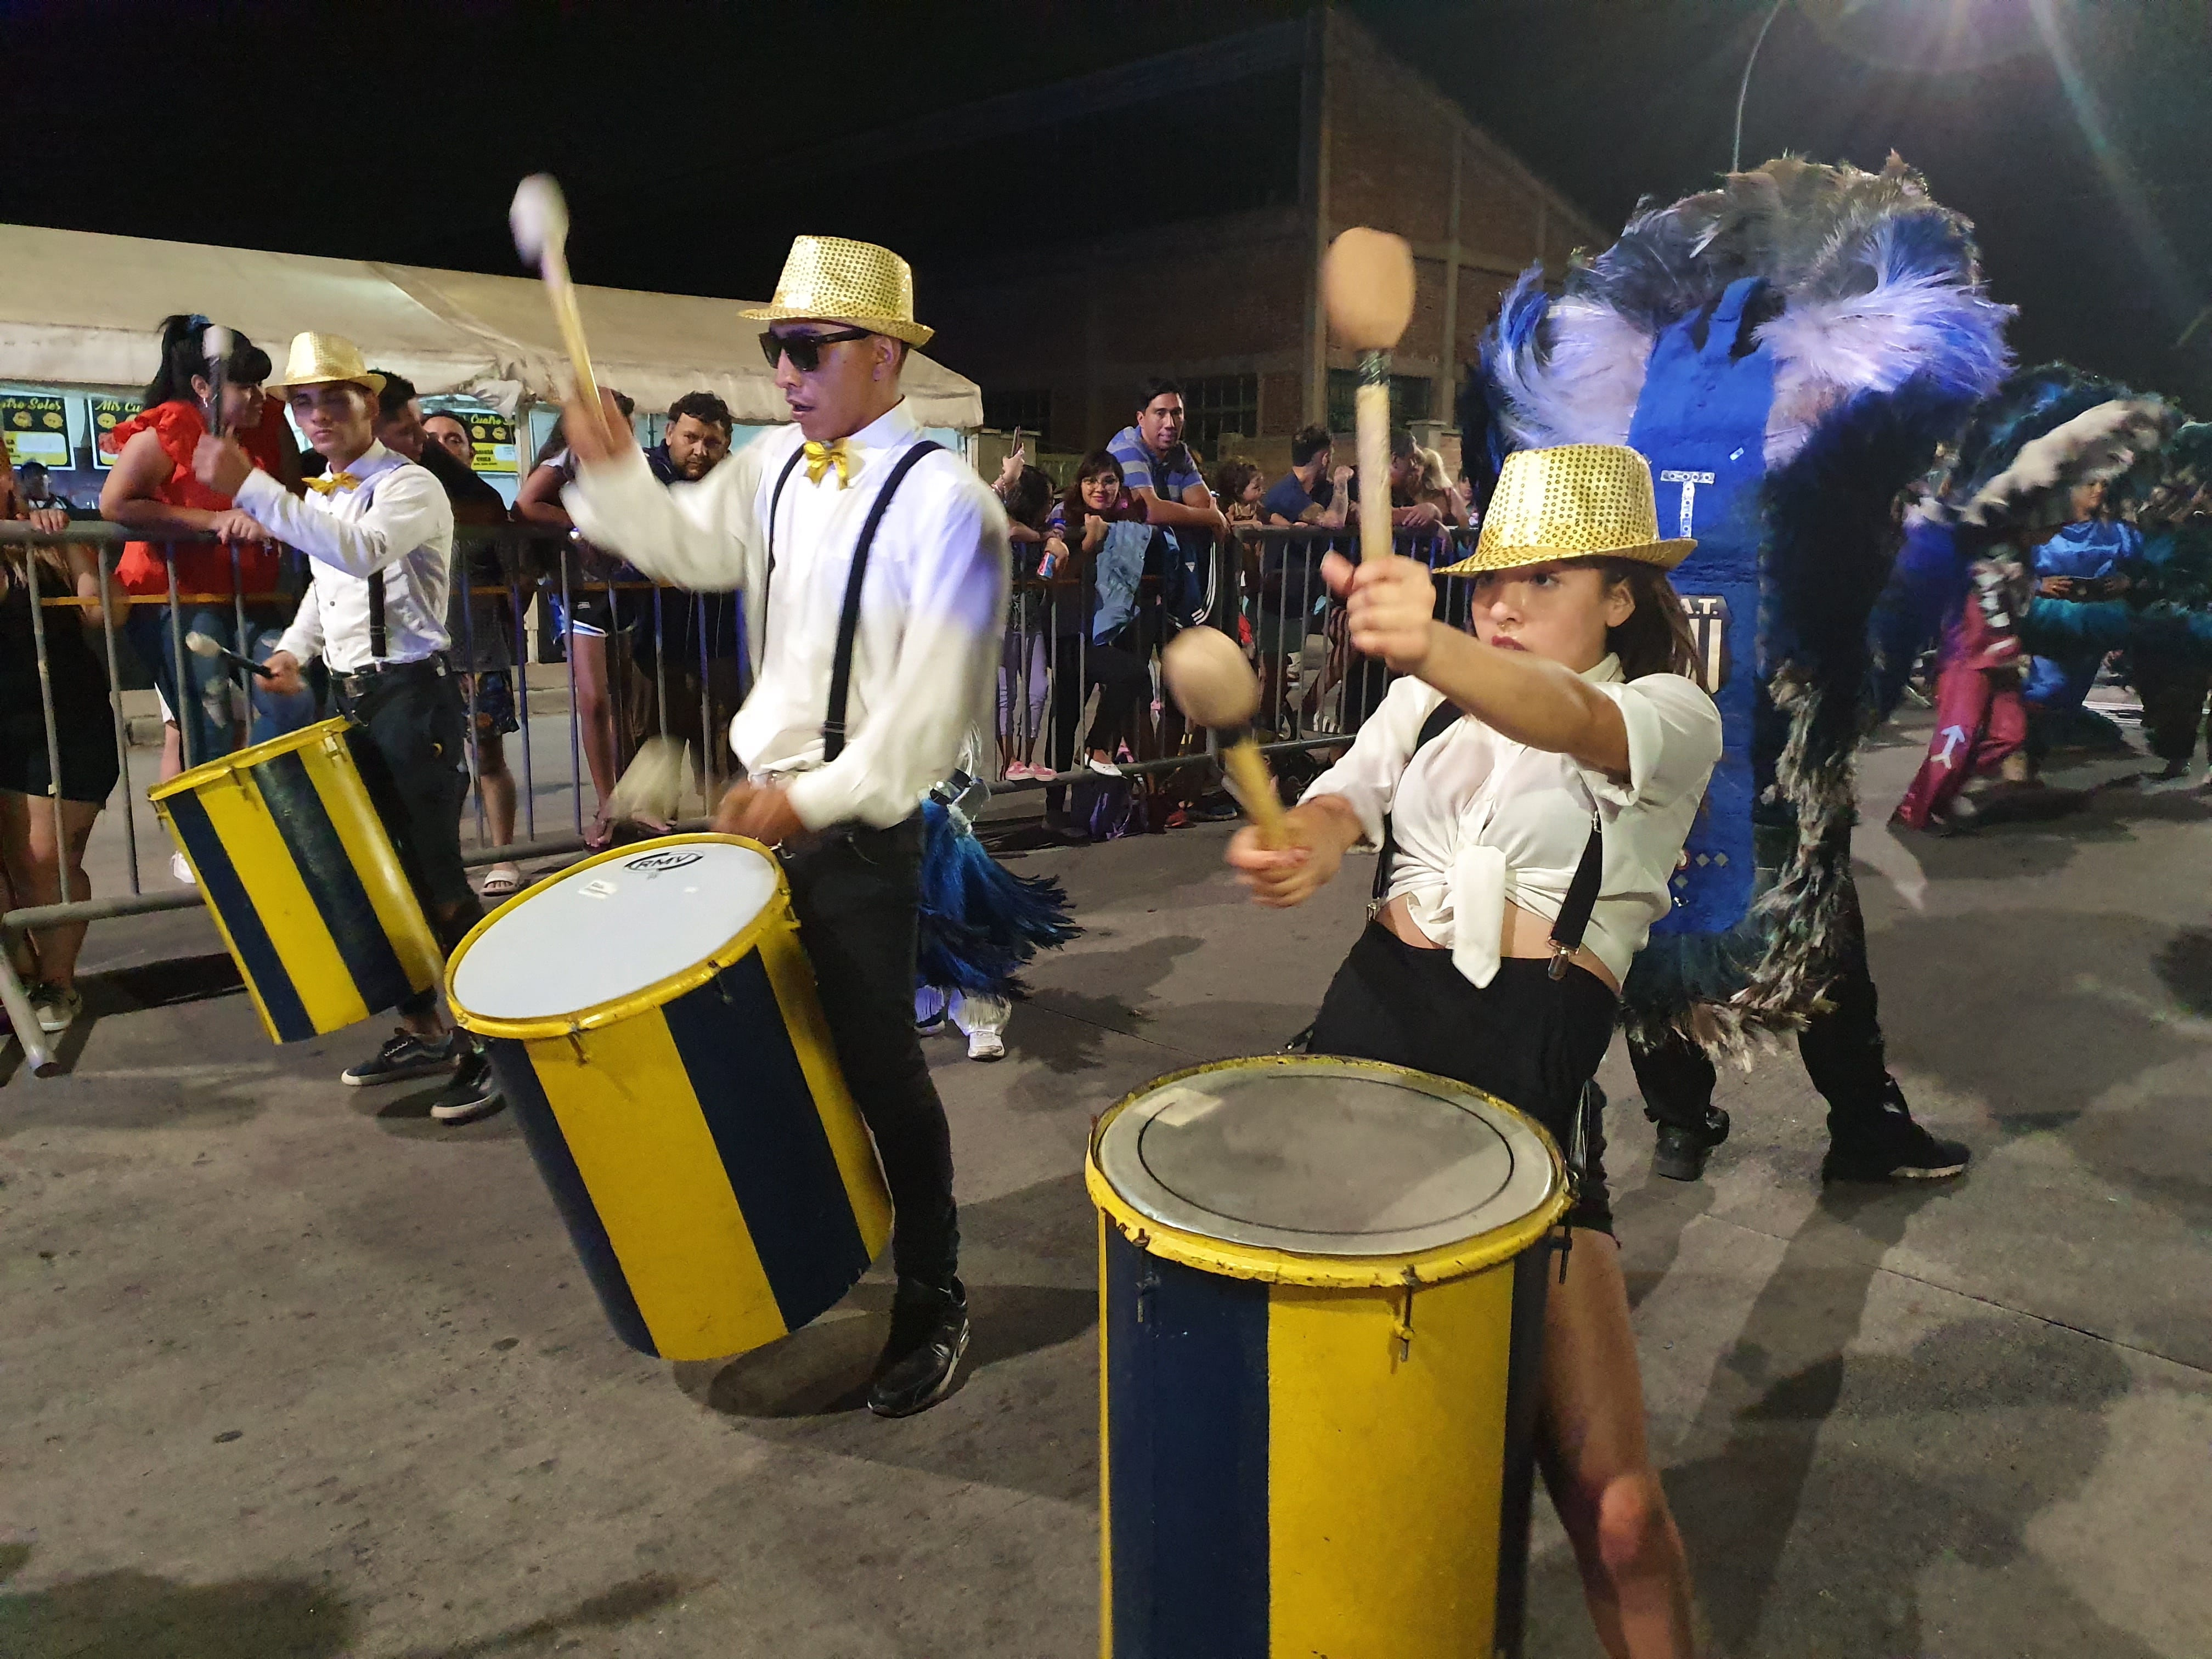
[874, 569]
[379, 532]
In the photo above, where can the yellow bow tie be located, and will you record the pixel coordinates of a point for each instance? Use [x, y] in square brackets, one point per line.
[335, 482]
[820, 458]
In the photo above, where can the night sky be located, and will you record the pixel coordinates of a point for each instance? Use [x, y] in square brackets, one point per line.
[2077, 134]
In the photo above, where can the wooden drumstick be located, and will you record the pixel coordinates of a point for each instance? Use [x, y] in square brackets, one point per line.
[1212, 684]
[540, 218]
[1367, 285]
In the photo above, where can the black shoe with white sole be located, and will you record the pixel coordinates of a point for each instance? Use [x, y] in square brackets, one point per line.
[1904, 1151]
[929, 1334]
[473, 1093]
[406, 1055]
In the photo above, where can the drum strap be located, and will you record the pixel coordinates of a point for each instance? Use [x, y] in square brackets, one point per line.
[1439, 722]
[376, 639]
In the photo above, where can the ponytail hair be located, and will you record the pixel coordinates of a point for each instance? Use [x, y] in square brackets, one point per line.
[183, 355]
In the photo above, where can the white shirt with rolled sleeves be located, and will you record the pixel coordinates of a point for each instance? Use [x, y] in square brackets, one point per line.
[397, 520]
[1481, 822]
[932, 605]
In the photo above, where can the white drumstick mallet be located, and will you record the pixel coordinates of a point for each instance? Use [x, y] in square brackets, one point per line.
[215, 344]
[1212, 684]
[539, 219]
[1367, 285]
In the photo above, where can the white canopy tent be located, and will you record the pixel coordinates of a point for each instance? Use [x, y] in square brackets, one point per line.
[82, 310]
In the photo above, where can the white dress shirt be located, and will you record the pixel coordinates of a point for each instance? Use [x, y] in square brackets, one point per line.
[1481, 822]
[932, 605]
[395, 518]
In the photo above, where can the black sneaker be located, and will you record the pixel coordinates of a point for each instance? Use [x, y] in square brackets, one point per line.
[1681, 1152]
[929, 1333]
[1898, 1149]
[473, 1093]
[403, 1056]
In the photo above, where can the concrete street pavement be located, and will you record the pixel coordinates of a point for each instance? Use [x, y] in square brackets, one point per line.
[287, 1370]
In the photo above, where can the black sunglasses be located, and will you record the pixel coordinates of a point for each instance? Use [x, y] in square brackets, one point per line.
[805, 350]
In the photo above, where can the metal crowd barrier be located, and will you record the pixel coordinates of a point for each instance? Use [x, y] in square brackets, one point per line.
[1263, 581]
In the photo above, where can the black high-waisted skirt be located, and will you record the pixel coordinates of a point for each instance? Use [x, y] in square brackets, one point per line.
[1531, 1040]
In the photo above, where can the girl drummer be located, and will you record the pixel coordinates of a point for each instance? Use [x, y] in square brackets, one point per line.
[1580, 735]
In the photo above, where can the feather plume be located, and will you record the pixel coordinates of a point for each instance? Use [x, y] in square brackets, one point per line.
[981, 923]
[2098, 444]
[1563, 371]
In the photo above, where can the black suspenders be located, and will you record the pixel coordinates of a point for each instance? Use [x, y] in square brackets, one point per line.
[1573, 920]
[848, 619]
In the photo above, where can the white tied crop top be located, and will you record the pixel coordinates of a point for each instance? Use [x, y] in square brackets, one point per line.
[1482, 822]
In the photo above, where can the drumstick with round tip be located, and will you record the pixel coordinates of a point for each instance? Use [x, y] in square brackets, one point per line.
[1212, 684]
[215, 343]
[1367, 285]
[539, 219]
[206, 645]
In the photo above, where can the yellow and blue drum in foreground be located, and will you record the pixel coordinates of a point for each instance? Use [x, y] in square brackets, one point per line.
[1322, 1318]
[303, 882]
[652, 1017]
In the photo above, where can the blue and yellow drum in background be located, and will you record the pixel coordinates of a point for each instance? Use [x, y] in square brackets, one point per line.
[1321, 1321]
[653, 1020]
[305, 884]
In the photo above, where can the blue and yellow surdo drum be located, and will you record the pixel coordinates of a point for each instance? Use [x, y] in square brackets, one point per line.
[652, 1019]
[303, 882]
[1322, 1316]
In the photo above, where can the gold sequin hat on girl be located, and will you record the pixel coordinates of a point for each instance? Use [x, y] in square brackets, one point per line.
[827, 279]
[1576, 502]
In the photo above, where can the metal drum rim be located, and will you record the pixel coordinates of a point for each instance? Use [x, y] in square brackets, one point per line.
[241, 760]
[1433, 1265]
[661, 991]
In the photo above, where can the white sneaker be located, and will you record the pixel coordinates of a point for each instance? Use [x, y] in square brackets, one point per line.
[181, 871]
[986, 1044]
[57, 1010]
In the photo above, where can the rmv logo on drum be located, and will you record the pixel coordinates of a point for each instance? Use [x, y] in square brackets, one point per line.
[661, 863]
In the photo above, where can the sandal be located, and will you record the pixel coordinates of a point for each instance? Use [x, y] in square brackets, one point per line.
[502, 881]
[599, 833]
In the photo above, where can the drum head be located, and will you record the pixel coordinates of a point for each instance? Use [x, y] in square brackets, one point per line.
[612, 927]
[1325, 1157]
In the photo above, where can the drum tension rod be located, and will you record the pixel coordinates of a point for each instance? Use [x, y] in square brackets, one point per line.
[1403, 1330]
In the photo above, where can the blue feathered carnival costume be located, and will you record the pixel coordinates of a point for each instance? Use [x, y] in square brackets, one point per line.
[1788, 351]
[981, 923]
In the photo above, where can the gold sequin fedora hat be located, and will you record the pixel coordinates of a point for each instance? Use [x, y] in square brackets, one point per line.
[827, 279]
[1576, 502]
[320, 359]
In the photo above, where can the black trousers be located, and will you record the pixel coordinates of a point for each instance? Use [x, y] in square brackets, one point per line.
[858, 895]
[414, 763]
[1842, 1049]
[1121, 678]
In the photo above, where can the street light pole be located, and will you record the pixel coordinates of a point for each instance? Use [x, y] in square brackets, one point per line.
[1743, 91]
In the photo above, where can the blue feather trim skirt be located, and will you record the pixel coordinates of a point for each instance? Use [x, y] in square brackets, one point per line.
[981, 923]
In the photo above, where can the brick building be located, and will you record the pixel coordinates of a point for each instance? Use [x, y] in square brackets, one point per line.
[1167, 216]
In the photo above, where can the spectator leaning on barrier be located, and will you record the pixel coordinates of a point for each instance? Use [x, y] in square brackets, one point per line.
[1317, 493]
[481, 630]
[38, 489]
[1095, 540]
[591, 617]
[33, 858]
[151, 491]
[1408, 509]
[1025, 669]
[1239, 487]
[694, 441]
[1160, 471]
[1432, 484]
[377, 525]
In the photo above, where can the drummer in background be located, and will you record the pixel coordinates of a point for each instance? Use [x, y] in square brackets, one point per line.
[932, 607]
[1576, 698]
[380, 532]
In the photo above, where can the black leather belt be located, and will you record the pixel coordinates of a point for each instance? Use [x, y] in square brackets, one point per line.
[362, 681]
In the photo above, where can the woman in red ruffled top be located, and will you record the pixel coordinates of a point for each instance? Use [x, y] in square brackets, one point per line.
[151, 489]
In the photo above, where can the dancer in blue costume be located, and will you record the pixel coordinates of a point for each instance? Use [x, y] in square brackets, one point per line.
[981, 923]
[1788, 351]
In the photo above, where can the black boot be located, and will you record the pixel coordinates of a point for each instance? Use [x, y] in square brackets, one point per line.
[1890, 1146]
[929, 1333]
[1682, 1151]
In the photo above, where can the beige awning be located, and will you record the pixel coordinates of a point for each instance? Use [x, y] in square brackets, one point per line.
[79, 309]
